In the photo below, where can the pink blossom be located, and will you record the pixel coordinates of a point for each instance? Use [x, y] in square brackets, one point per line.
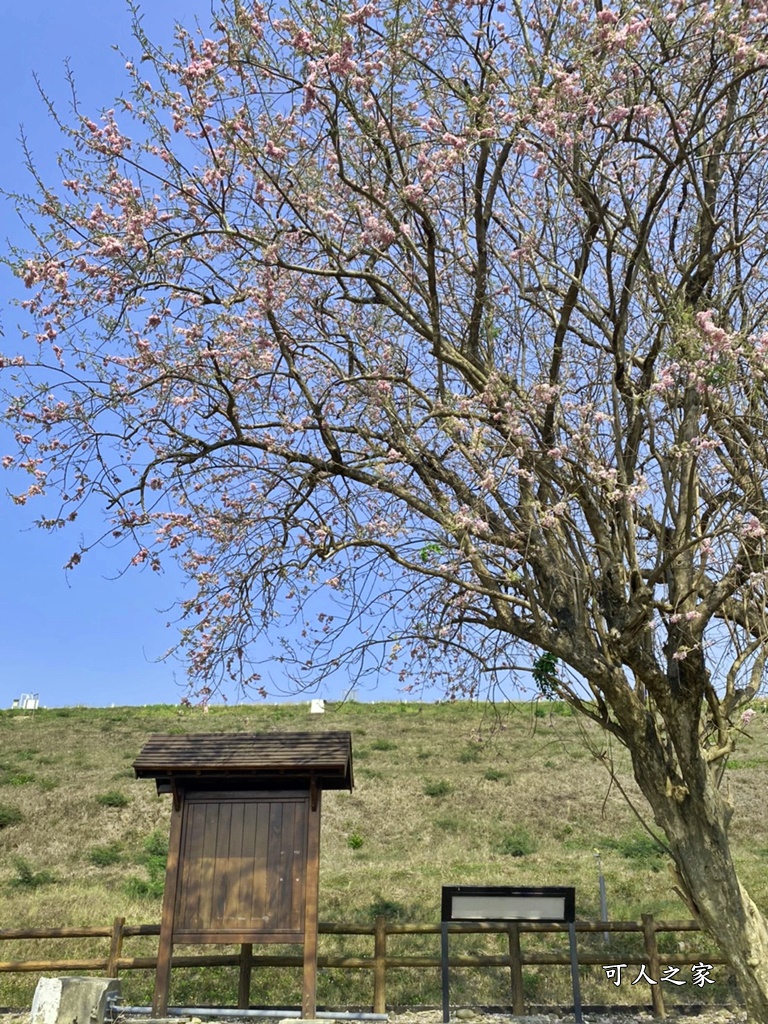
[303, 41]
[752, 528]
[362, 14]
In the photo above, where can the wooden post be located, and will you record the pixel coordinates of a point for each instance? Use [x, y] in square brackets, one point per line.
[654, 965]
[244, 982]
[115, 947]
[516, 969]
[165, 948]
[380, 965]
[311, 892]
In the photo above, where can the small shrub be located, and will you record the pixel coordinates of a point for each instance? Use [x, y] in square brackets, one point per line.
[386, 908]
[103, 856]
[449, 823]
[640, 847]
[469, 755]
[27, 877]
[143, 888]
[114, 798]
[383, 745]
[10, 815]
[156, 848]
[154, 857]
[355, 841]
[495, 775]
[517, 843]
[437, 789]
[11, 776]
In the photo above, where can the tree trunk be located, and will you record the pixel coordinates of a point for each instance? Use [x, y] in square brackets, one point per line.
[696, 828]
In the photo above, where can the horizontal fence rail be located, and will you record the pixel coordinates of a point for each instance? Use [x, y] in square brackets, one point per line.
[380, 962]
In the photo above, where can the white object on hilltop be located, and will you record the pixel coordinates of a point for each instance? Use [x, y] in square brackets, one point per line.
[28, 702]
[317, 707]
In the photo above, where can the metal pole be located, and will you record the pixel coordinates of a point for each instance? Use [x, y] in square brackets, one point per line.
[603, 897]
[210, 1011]
[444, 955]
[574, 972]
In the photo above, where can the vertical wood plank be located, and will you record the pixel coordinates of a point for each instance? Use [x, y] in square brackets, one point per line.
[285, 865]
[222, 868]
[260, 859]
[188, 904]
[380, 964]
[234, 908]
[654, 965]
[165, 948]
[206, 874]
[299, 864]
[516, 969]
[312, 886]
[272, 901]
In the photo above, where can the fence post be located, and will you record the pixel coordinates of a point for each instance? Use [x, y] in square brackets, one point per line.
[244, 981]
[380, 964]
[115, 947]
[516, 969]
[654, 966]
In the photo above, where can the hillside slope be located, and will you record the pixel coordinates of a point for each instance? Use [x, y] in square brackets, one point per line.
[445, 794]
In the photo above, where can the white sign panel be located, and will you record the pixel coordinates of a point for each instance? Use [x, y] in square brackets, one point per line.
[508, 908]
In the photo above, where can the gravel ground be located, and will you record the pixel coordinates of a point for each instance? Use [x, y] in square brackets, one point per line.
[715, 1015]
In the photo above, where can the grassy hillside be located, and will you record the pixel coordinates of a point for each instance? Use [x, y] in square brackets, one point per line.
[445, 794]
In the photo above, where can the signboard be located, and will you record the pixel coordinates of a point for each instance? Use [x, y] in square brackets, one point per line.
[511, 904]
[508, 903]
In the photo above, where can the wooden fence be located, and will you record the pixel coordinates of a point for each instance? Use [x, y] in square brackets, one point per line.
[380, 962]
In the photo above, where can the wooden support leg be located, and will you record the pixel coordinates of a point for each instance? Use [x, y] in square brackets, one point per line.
[165, 949]
[312, 887]
[162, 976]
[244, 982]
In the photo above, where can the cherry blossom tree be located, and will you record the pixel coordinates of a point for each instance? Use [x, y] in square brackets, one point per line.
[443, 328]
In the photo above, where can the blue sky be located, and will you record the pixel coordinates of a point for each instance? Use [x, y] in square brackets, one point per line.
[83, 637]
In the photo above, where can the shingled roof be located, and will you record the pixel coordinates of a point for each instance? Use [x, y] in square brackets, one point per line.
[324, 756]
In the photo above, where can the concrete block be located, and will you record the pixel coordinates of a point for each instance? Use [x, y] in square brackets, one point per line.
[72, 1000]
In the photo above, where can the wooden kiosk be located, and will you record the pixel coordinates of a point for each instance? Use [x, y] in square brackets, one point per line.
[244, 851]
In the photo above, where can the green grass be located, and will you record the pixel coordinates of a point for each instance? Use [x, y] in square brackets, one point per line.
[10, 815]
[437, 789]
[27, 878]
[517, 843]
[114, 798]
[104, 856]
[448, 794]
